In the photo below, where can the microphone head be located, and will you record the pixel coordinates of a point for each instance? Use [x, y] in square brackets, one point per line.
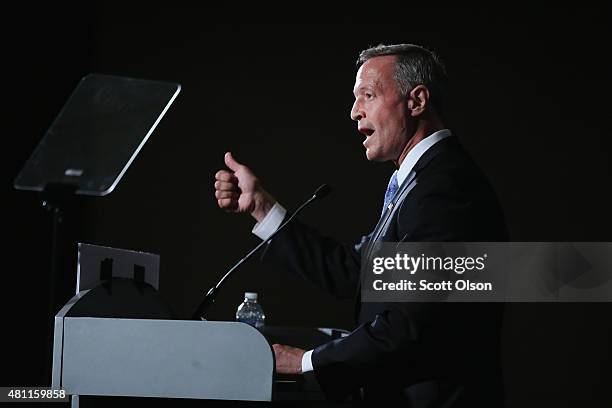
[322, 191]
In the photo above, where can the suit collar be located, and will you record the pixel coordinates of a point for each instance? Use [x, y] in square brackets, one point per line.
[415, 154]
[426, 158]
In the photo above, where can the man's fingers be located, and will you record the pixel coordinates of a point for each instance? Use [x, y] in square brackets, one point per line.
[281, 348]
[227, 194]
[226, 186]
[288, 359]
[228, 204]
[278, 350]
[227, 176]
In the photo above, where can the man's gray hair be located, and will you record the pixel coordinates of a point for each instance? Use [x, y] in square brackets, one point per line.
[415, 65]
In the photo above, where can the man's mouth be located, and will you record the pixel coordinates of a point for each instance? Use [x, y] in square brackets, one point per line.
[366, 131]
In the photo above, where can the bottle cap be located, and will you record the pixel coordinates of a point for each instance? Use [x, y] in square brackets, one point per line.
[250, 295]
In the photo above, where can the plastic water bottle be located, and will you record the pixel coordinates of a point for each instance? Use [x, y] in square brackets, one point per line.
[250, 311]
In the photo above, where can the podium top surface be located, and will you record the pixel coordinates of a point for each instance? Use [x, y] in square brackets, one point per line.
[97, 134]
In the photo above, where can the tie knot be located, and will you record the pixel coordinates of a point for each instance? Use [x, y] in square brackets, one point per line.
[391, 190]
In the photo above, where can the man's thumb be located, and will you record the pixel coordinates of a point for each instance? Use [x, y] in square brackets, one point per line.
[231, 162]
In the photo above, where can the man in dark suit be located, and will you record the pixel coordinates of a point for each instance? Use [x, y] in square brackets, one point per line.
[426, 354]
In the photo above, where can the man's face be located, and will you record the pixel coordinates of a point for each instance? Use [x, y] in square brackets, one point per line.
[381, 113]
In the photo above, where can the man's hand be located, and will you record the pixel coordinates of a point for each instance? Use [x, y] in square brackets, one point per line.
[238, 190]
[288, 359]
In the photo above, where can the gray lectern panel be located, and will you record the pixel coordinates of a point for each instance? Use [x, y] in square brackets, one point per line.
[166, 358]
[58, 338]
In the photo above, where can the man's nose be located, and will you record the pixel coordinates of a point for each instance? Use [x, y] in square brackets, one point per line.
[356, 112]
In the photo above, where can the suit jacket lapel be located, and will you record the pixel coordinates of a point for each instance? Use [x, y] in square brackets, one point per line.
[383, 223]
[402, 193]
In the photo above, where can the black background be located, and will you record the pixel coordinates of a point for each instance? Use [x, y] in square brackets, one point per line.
[529, 100]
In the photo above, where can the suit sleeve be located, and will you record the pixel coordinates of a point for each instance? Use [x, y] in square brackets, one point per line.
[329, 264]
[395, 349]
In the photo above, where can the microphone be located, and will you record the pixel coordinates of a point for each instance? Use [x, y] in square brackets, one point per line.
[210, 297]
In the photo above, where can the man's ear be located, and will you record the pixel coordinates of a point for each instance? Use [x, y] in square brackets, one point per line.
[418, 100]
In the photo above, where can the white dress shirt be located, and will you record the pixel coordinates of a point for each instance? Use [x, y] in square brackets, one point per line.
[276, 215]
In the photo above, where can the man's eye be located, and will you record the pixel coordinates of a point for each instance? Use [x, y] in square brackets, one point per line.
[368, 95]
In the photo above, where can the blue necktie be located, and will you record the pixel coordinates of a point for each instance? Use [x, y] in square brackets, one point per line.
[391, 190]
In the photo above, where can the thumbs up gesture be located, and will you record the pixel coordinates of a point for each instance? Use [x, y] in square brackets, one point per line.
[238, 190]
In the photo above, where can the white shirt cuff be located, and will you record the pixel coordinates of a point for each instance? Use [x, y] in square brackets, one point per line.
[271, 222]
[307, 362]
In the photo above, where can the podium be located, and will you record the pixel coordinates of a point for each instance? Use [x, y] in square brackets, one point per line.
[97, 353]
[160, 358]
